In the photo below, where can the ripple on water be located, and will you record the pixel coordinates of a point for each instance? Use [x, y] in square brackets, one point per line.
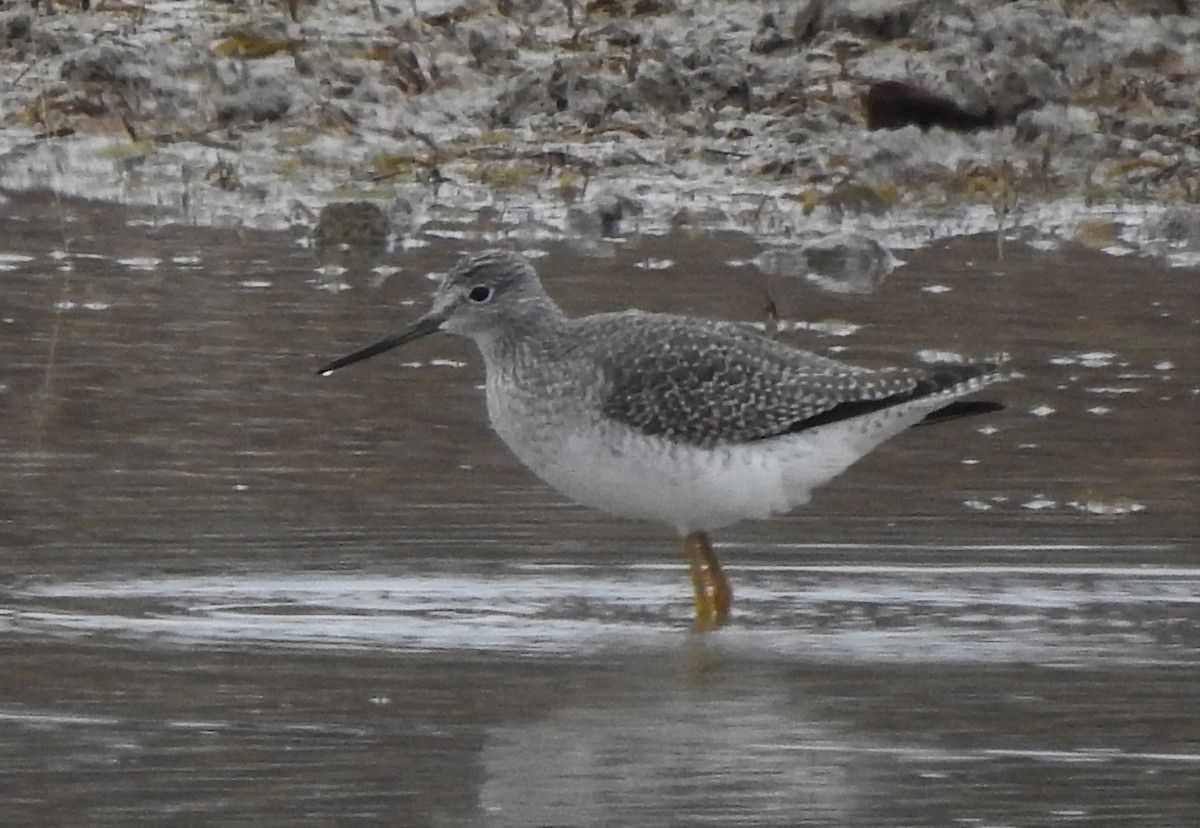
[1065, 615]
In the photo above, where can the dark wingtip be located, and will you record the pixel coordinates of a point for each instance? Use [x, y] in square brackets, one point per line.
[961, 408]
[943, 377]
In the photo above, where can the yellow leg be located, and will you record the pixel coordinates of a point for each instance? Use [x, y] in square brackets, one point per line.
[713, 596]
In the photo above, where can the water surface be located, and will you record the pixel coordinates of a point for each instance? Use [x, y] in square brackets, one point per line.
[235, 592]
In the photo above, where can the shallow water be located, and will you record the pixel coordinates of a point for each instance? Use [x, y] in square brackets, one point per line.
[237, 592]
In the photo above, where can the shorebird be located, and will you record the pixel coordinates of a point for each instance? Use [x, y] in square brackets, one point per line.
[694, 423]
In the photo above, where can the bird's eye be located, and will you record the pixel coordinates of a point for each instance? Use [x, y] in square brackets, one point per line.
[480, 294]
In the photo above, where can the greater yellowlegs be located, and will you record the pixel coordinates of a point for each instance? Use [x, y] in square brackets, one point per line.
[694, 423]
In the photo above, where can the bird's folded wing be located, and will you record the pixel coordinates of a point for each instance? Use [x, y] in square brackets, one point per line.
[705, 385]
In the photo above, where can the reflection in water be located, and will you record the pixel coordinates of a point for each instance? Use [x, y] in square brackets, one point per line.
[716, 740]
[658, 753]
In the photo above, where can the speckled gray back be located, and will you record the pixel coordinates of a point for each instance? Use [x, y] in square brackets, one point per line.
[710, 383]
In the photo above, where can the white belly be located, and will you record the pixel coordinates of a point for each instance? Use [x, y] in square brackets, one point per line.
[689, 488]
[620, 471]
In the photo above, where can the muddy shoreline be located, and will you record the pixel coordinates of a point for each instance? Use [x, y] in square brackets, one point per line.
[608, 120]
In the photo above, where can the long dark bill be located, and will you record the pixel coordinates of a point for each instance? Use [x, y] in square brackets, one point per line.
[424, 326]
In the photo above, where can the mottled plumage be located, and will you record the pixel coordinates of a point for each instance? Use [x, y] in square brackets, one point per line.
[692, 422]
[709, 384]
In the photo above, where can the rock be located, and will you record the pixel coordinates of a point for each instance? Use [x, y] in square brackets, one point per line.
[487, 46]
[16, 28]
[612, 209]
[410, 73]
[663, 88]
[807, 21]
[1178, 227]
[605, 217]
[894, 104]
[105, 64]
[1006, 93]
[351, 224]
[652, 7]
[266, 100]
[1057, 124]
[851, 197]
[353, 234]
[769, 38]
[618, 35]
[881, 19]
[848, 263]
